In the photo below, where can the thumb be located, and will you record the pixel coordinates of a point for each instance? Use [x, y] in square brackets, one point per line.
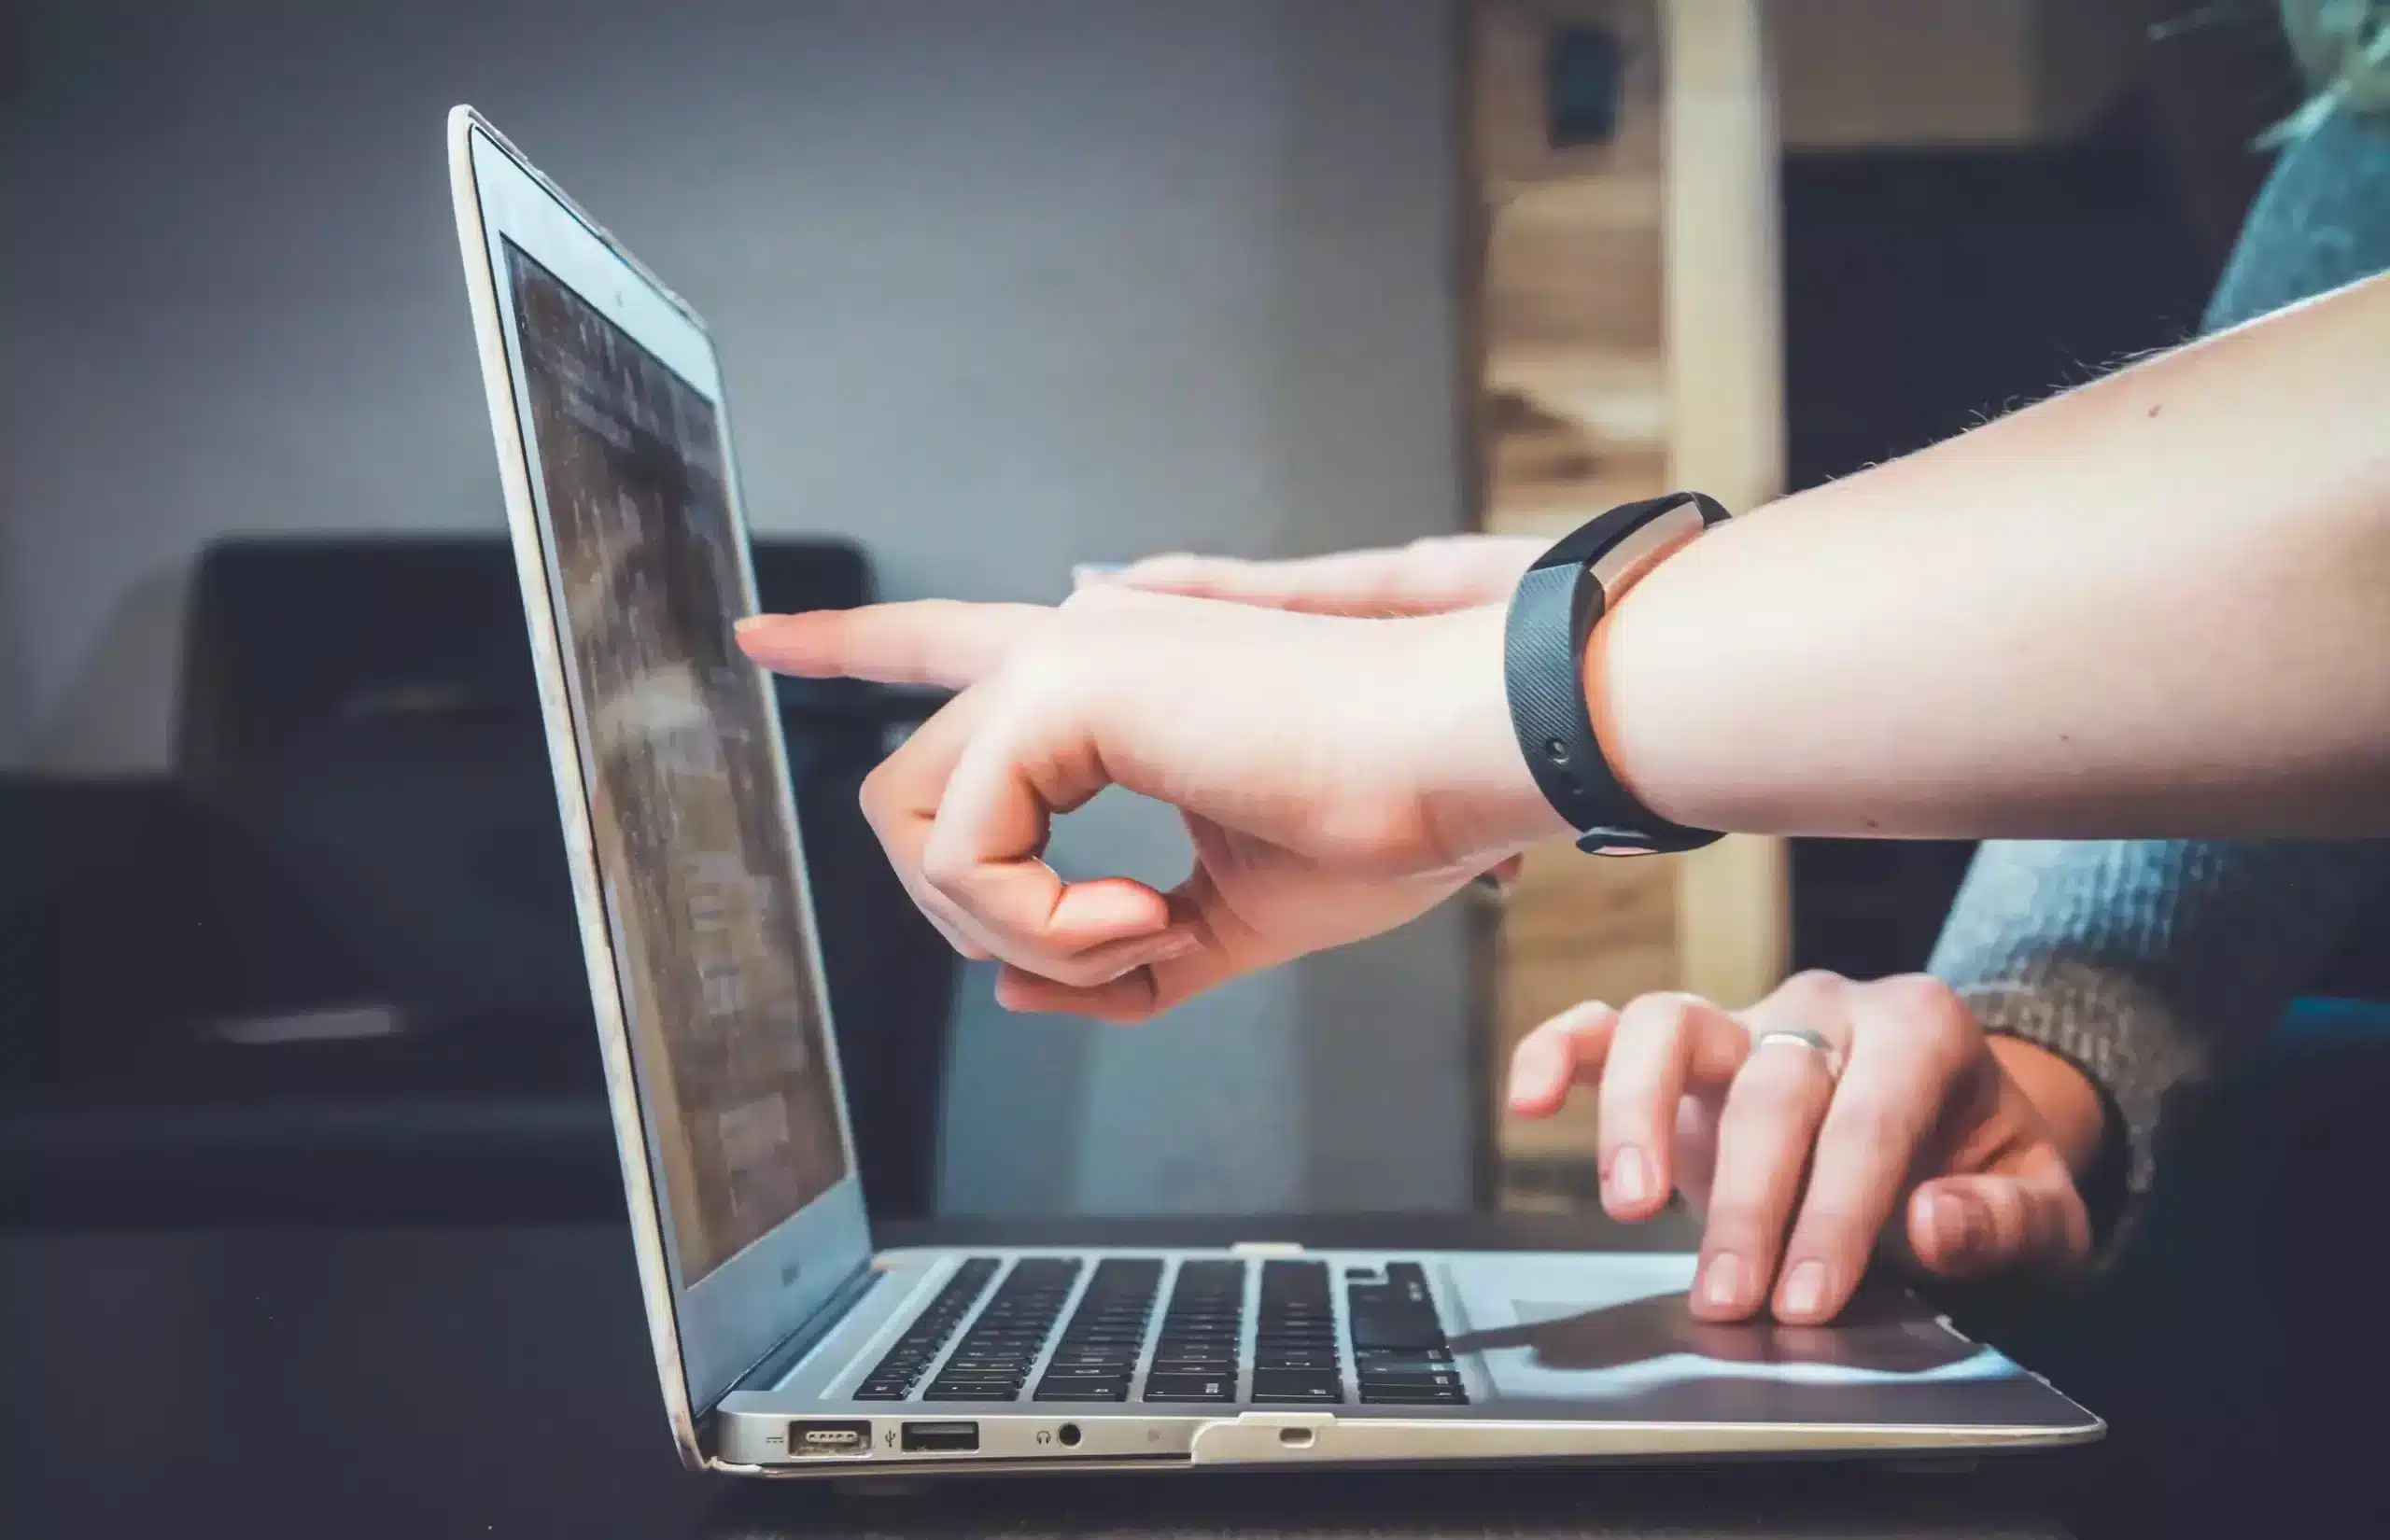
[2027, 1218]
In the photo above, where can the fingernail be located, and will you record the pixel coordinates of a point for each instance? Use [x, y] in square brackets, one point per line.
[1630, 1176]
[749, 622]
[1951, 1217]
[1722, 1282]
[1177, 946]
[1805, 1289]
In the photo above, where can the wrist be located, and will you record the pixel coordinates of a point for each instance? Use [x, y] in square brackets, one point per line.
[1480, 800]
[2068, 1101]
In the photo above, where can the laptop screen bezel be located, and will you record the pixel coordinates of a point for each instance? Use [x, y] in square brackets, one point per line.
[721, 1324]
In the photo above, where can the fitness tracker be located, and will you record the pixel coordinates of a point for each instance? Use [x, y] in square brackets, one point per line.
[1552, 613]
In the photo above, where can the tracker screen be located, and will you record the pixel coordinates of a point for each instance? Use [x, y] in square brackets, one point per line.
[691, 839]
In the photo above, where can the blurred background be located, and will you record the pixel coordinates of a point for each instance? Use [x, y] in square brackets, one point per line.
[297, 1075]
[999, 288]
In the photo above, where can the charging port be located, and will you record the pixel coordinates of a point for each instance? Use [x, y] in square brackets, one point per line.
[820, 1438]
[941, 1437]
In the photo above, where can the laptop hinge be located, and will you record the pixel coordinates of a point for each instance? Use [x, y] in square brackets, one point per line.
[773, 1365]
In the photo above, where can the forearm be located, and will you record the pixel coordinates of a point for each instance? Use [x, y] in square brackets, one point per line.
[2157, 605]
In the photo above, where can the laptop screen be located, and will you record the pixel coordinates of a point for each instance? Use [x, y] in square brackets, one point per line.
[693, 846]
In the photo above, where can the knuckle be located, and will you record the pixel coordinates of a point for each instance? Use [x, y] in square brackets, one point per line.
[946, 867]
[1584, 1017]
[1927, 1000]
[1666, 1010]
[1931, 1023]
[1562, 1032]
[1814, 996]
[877, 798]
[1042, 664]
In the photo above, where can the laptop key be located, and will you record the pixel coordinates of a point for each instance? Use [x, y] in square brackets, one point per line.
[1454, 1396]
[1449, 1381]
[1088, 1388]
[1376, 1325]
[1297, 1385]
[1439, 1354]
[1191, 1387]
[1409, 1374]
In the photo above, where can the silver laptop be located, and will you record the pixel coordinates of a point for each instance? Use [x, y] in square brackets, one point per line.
[785, 1343]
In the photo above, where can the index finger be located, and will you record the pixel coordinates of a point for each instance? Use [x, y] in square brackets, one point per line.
[1391, 580]
[944, 643]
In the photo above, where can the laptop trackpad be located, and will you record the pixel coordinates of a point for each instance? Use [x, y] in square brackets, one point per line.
[1573, 1328]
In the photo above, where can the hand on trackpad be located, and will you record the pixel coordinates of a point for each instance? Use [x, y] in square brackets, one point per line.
[1880, 1332]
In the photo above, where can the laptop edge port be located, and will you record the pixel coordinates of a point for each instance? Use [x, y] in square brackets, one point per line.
[813, 1440]
[941, 1437]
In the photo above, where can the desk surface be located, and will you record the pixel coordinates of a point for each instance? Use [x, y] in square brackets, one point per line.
[363, 1383]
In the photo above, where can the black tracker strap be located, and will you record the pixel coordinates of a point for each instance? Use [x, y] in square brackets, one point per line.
[1552, 613]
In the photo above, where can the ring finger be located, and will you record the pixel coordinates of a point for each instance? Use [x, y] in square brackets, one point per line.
[1771, 1118]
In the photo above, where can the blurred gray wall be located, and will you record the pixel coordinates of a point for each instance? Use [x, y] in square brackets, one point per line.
[999, 285]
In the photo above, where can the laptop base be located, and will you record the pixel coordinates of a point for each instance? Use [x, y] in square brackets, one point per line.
[1556, 1357]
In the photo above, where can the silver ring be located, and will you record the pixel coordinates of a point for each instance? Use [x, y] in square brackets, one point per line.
[1802, 1037]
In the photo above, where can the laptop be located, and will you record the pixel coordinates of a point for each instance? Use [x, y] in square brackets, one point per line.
[785, 1343]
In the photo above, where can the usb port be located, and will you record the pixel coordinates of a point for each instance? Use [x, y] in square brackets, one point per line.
[820, 1438]
[941, 1437]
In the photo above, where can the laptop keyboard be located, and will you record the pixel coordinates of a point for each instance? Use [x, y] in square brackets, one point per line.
[1297, 1355]
[1202, 1335]
[992, 1364]
[927, 1337]
[1098, 1355]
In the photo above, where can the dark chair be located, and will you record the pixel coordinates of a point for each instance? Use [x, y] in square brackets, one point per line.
[329, 967]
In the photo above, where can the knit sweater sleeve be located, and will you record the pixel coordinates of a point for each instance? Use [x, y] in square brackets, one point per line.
[2149, 964]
